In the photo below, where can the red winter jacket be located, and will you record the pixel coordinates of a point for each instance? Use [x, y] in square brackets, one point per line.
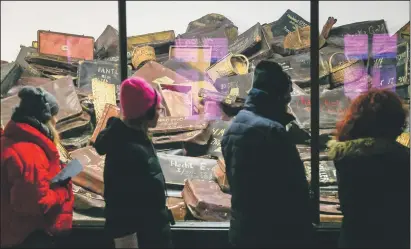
[29, 160]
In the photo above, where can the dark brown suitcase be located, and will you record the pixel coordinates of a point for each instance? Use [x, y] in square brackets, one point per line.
[77, 142]
[206, 201]
[104, 71]
[328, 175]
[10, 73]
[154, 72]
[106, 44]
[65, 46]
[48, 66]
[177, 169]
[28, 70]
[220, 175]
[91, 178]
[109, 111]
[217, 128]
[199, 137]
[65, 93]
[74, 126]
[238, 85]
[333, 104]
[178, 208]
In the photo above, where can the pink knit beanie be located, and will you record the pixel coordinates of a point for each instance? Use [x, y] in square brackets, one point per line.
[136, 97]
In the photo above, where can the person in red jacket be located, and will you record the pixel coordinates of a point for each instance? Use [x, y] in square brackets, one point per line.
[33, 212]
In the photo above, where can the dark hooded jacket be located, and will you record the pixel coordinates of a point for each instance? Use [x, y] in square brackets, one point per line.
[270, 196]
[134, 186]
[374, 191]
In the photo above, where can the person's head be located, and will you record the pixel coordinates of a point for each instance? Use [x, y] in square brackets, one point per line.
[270, 78]
[37, 103]
[377, 113]
[140, 103]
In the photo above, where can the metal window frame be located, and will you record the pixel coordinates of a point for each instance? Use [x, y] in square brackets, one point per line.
[315, 107]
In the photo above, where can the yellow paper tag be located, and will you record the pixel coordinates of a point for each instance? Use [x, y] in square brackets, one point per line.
[404, 139]
[103, 93]
[163, 80]
[235, 91]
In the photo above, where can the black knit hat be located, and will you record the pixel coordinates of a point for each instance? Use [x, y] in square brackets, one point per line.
[38, 103]
[270, 77]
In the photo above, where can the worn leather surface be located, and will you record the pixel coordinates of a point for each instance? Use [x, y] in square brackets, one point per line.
[106, 44]
[108, 112]
[91, 178]
[64, 91]
[153, 70]
[10, 73]
[220, 175]
[178, 208]
[64, 45]
[206, 201]
[74, 126]
[159, 40]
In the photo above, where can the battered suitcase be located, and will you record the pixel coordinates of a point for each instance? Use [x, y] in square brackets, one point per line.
[198, 105]
[206, 201]
[198, 57]
[154, 72]
[229, 65]
[26, 81]
[65, 93]
[65, 46]
[328, 175]
[220, 175]
[76, 142]
[237, 85]
[177, 169]
[108, 112]
[178, 99]
[28, 70]
[104, 71]
[298, 68]
[74, 126]
[185, 69]
[87, 202]
[160, 41]
[333, 104]
[178, 208]
[52, 65]
[214, 21]
[106, 44]
[340, 34]
[404, 32]
[91, 178]
[218, 128]
[10, 73]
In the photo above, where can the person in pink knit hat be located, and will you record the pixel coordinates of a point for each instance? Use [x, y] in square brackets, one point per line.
[134, 185]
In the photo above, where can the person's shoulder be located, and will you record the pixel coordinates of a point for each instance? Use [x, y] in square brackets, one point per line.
[25, 154]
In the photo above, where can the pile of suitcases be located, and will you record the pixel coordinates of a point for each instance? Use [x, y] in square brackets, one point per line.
[204, 76]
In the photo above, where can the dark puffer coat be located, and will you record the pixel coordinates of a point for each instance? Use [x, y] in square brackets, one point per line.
[270, 195]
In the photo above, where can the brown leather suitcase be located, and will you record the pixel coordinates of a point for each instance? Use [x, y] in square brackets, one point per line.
[106, 44]
[76, 142]
[206, 201]
[184, 69]
[220, 175]
[154, 72]
[177, 169]
[49, 65]
[26, 81]
[74, 126]
[67, 46]
[178, 208]
[91, 178]
[108, 112]
[237, 85]
[217, 128]
[178, 99]
[65, 93]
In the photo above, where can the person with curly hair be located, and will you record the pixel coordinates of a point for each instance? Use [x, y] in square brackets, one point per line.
[373, 172]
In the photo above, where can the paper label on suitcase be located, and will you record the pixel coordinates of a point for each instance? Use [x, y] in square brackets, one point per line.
[103, 93]
[177, 169]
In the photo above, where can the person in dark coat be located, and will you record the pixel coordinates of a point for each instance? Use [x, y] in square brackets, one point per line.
[270, 195]
[134, 186]
[373, 173]
[34, 213]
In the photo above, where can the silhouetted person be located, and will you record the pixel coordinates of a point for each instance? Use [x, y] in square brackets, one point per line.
[373, 172]
[270, 195]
